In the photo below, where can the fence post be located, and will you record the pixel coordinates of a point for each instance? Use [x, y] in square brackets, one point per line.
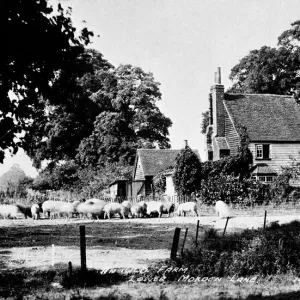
[197, 231]
[265, 219]
[175, 243]
[70, 269]
[186, 231]
[225, 226]
[53, 255]
[82, 248]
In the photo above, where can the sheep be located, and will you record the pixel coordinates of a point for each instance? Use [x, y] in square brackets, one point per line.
[183, 208]
[139, 209]
[12, 210]
[154, 208]
[222, 209]
[114, 208]
[93, 207]
[36, 208]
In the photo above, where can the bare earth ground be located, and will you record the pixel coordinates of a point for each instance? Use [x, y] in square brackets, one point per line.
[130, 243]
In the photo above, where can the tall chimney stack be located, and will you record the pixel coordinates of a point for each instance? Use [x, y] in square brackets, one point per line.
[218, 113]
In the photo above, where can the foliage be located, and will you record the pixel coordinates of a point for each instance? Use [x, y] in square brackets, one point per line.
[58, 176]
[159, 181]
[129, 118]
[255, 252]
[270, 70]
[205, 121]
[15, 182]
[41, 46]
[281, 186]
[232, 190]
[187, 175]
[89, 181]
[228, 177]
[96, 180]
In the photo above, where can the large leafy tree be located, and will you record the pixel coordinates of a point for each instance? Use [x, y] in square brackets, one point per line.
[270, 70]
[40, 47]
[59, 127]
[130, 118]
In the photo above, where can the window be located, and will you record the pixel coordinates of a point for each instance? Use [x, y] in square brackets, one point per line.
[263, 151]
[266, 179]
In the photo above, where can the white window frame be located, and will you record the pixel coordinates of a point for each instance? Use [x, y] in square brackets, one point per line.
[259, 152]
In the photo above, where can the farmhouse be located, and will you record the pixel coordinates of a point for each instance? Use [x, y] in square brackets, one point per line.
[272, 123]
[148, 163]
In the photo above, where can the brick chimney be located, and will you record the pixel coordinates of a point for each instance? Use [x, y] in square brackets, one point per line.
[218, 115]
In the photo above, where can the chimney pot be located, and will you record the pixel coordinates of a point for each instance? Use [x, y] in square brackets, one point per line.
[218, 77]
[186, 143]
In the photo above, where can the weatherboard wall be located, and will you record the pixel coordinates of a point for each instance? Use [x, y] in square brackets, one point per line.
[281, 154]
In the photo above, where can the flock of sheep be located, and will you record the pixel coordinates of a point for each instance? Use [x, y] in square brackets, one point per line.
[99, 209]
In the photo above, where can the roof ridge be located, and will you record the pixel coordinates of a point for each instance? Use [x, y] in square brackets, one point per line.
[283, 96]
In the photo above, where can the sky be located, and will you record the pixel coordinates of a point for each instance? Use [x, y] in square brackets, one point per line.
[182, 42]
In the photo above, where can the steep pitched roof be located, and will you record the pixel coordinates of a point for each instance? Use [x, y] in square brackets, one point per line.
[266, 117]
[156, 160]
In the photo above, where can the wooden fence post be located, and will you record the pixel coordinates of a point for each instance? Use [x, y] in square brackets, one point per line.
[186, 231]
[53, 255]
[175, 243]
[70, 269]
[225, 226]
[265, 219]
[197, 231]
[82, 248]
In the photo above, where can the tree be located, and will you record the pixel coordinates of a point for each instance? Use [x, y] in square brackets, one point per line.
[130, 118]
[205, 121]
[14, 182]
[56, 134]
[270, 70]
[40, 48]
[187, 176]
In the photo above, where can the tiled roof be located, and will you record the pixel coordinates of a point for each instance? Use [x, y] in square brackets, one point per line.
[262, 168]
[222, 142]
[156, 160]
[266, 117]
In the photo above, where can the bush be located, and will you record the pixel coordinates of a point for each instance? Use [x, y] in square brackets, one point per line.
[252, 252]
[232, 190]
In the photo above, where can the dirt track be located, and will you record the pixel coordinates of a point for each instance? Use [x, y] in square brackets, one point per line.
[131, 243]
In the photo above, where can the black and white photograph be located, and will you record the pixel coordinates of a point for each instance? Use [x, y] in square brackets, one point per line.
[150, 149]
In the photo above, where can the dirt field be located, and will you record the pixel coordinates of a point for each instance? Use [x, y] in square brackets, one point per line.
[130, 243]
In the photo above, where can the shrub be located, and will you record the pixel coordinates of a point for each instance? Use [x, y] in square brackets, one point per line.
[252, 252]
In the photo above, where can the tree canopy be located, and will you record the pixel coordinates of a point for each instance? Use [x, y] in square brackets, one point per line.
[40, 47]
[188, 172]
[129, 118]
[270, 70]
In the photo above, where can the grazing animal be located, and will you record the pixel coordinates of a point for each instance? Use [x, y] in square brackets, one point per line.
[12, 211]
[222, 209]
[93, 207]
[139, 209]
[53, 208]
[183, 208]
[36, 208]
[127, 205]
[114, 208]
[154, 208]
[168, 208]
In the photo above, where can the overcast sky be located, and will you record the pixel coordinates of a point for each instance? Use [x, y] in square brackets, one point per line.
[181, 43]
